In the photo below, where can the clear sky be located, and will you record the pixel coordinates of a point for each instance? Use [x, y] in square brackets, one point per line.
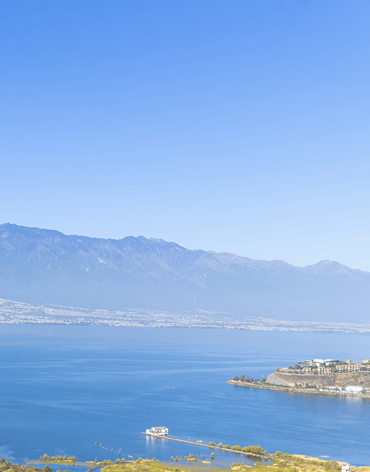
[238, 126]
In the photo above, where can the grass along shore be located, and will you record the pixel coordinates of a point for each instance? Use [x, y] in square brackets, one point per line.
[277, 462]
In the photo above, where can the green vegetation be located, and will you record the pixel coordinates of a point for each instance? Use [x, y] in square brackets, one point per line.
[191, 458]
[254, 450]
[6, 466]
[246, 378]
[145, 465]
[278, 462]
[63, 460]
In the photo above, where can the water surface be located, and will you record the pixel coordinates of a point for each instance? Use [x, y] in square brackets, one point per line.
[66, 388]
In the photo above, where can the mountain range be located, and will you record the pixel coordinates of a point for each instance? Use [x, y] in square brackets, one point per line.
[47, 267]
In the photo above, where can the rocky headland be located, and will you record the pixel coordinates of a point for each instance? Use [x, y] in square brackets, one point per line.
[340, 380]
[329, 376]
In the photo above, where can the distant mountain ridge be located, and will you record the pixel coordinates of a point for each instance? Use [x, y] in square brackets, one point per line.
[46, 266]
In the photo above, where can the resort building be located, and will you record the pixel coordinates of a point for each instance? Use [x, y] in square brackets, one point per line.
[322, 370]
[348, 367]
[318, 362]
[157, 431]
[331, 361]
[328, 367]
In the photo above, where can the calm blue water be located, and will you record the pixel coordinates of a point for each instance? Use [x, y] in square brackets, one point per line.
[63, 388]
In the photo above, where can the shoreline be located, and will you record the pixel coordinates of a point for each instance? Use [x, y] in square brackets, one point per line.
[302, 391]
[284, 460]
[267, 461]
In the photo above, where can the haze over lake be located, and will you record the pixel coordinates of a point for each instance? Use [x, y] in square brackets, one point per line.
[46, 267]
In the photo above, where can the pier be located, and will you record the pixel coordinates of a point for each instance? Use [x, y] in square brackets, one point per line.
[206, 445]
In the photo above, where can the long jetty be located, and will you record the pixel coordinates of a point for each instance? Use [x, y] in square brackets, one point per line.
[204, 445]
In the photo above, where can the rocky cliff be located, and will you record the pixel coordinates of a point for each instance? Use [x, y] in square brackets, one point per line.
[278, 379]
[361, 379]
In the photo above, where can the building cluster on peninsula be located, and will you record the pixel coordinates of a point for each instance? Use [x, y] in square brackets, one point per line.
[326, 367]
[329, 375]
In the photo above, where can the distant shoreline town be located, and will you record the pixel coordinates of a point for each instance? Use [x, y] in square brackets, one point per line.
[25, 313]
[330, 376]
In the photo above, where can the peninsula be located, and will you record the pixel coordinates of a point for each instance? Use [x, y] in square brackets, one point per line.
[330, 376]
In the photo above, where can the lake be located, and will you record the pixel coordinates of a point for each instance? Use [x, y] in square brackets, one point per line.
[67, 390]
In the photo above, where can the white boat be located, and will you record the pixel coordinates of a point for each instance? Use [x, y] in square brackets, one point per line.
[157, 431]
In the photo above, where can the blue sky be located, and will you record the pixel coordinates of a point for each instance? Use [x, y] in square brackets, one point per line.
[239, 126]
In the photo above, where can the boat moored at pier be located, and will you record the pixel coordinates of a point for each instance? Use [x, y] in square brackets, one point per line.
[157, 431]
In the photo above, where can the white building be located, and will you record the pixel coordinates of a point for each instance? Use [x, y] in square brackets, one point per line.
[311, 362]
[157, 431]
[331, 361]
[354, 389]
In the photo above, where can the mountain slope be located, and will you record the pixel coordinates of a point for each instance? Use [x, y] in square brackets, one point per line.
[43, 266]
